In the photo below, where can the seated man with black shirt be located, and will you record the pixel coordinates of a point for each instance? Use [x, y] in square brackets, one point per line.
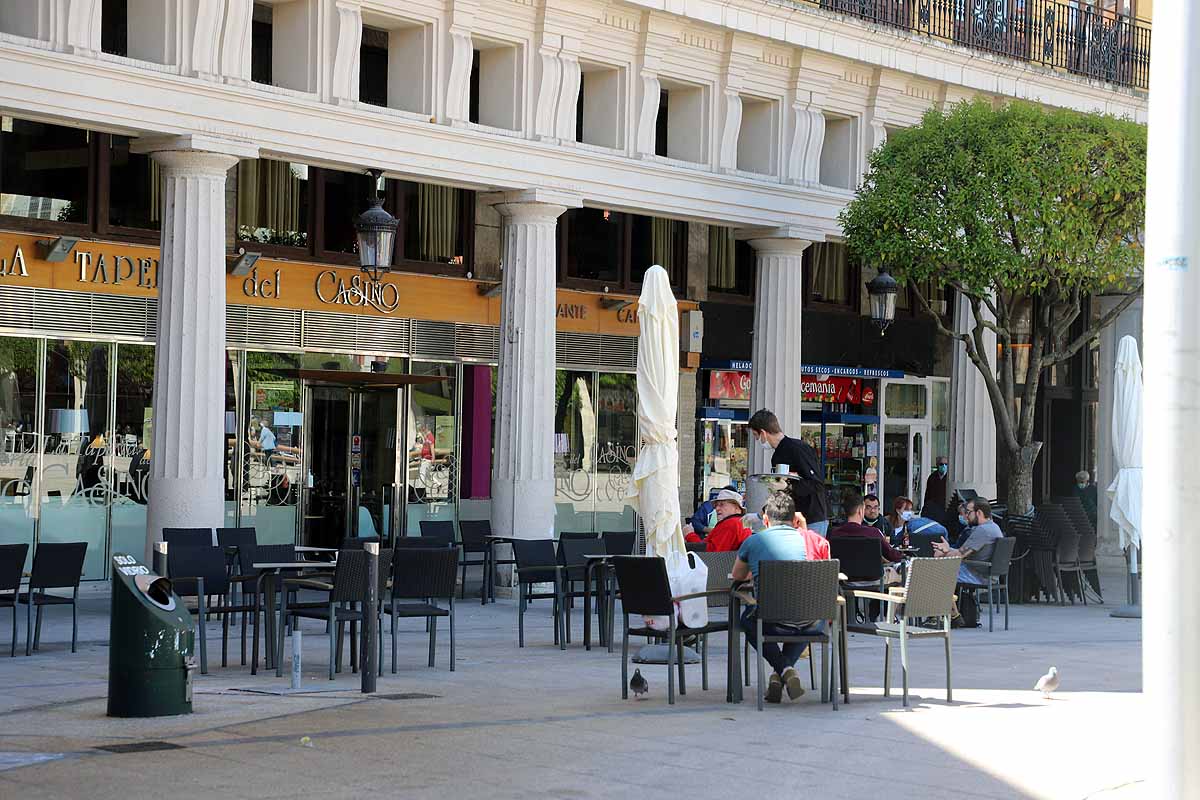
[808, 493]
[854, 528]
[871, 515]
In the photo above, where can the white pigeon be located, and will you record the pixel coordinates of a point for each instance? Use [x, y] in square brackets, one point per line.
[1047, 683]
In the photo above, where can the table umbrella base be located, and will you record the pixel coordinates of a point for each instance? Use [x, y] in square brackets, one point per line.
[657, 654]
[1128, 612]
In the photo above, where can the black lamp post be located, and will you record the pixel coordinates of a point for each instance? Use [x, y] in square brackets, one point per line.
[882, 291]
[376, 232]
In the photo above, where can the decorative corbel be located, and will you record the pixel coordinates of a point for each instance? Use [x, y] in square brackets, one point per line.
[83, 27]
[206, 42]
[549, 86]
[235, 41]
[349, 52]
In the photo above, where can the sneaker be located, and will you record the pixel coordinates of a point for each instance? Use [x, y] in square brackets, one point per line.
[774, 689]
[795, 686]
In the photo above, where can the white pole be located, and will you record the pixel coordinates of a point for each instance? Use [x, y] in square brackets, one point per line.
[1171, 595]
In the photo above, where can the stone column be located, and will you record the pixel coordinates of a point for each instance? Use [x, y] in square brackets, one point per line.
[775, 379]
[188, 445]
[523, 462]
[972, 422]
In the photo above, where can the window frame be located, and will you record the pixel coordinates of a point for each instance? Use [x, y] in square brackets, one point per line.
[854, 280]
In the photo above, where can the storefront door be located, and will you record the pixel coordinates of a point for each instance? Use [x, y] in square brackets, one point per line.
[905, 462]
[351, 480]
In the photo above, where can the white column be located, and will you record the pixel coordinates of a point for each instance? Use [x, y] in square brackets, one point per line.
[523, 462]
[775, 379]
[188, 445]
[1171, 595]
[972, 421]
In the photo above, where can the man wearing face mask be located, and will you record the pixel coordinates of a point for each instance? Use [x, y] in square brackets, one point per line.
[1085, 490]
[809, 493]
[935, 490]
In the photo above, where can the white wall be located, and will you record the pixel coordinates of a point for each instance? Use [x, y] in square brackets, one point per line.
[604, 106]
[758, 140]
[687, 122]
[839, 152]
[293, 39]
[500, 77]
[409, 63]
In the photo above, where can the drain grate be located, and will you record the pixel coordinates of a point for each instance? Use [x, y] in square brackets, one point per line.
[408, 696]
[139, 747]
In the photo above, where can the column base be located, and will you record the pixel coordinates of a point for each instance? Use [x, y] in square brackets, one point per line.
[523, 509]
[183, 503]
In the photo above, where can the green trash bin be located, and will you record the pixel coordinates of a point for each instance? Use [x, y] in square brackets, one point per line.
[151, 644]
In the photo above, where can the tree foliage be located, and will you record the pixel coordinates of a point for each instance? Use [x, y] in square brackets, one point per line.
[1025, 211]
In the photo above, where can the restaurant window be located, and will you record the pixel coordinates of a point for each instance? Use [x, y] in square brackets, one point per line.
[134, 183]
[19, 367]
[273, 202]
[44, 173]
[613, 249]
[730, 262]
[655, 240]
[431, 443]
[130, 449]
[831, 274]
[437, 222]
[343, 196]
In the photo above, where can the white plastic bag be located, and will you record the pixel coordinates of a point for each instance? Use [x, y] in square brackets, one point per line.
[687, 575]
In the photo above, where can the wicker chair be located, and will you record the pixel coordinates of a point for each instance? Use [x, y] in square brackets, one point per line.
[344, 603]
[995, 572]
[927, 592]
[56, 565]
[862, 563]
[12, 563]
[1073, 508]
[1066, 550]
[646, 591]
[537, 562]
[474, 533]
[199, 571]
[441, 530]
[794, 592]
[424, 575]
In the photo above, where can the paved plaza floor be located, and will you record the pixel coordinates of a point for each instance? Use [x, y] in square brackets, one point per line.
[539, 722]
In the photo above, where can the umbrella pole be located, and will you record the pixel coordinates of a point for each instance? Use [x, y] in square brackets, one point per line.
[1133, 608]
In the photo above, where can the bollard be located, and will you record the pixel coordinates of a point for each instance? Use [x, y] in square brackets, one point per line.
[370, 627]
[297, 649]
[160, 559]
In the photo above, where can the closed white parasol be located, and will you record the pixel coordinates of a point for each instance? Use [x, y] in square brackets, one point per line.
[1125, 492]
[655, 489]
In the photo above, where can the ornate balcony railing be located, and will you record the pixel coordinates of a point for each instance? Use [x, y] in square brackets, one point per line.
[1065, 35]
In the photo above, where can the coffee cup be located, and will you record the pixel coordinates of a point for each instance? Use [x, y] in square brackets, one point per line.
[783, 469]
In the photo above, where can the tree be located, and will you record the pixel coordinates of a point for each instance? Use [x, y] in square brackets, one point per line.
[1027, 213]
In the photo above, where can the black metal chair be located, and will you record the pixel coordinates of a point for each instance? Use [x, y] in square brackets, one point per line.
[619, 543]
[244, 543]
[12, 563]
[537, 562]
[424, 575]
[56, 565]
[265, 554]
[995, 572]
[187, 537]
[862, 563]
[474, 533]
[440, 530]
[344, 602]
[571, 557]
[200, 571]
[795, 593]
[646, 591]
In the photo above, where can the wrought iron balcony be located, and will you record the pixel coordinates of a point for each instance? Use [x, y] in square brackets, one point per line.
[1086, 41]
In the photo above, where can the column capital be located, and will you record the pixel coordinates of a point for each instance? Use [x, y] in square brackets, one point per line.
[193, 143]
[534, 205]
[788, 239]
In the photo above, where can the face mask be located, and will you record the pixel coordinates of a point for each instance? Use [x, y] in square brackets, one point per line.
[962, 520]
[1081, 485]
[942, 468]
[906, 515]
[712, 519]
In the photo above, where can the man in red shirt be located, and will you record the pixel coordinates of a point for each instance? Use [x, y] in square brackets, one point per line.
[854, 507]
[729, 532]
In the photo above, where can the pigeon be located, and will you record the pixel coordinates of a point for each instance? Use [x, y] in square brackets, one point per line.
[638, 684]
[1047, 683]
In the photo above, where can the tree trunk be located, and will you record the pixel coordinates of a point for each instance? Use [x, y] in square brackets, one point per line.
[1019, 469]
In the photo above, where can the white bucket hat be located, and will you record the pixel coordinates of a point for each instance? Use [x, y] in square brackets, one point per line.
[731, 496]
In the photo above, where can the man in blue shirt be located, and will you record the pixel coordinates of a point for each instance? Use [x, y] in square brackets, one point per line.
[779, 541]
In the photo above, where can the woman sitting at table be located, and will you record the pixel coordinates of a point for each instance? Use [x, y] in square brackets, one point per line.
[730, 530]
[902, 512]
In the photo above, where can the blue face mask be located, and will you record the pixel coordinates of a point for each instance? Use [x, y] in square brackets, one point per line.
[942, 469]
[962, 520]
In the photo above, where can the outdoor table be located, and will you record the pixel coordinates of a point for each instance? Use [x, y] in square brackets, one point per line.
[594, 561]
[489, 567]
[270, 571]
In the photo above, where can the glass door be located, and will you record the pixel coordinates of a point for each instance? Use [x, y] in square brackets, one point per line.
[905, 462]
[350, 478]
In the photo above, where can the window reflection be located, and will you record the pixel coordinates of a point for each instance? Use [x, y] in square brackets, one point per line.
[43, 171]
[134, 188]
[431, 437]
[271, 447]
[272, 202]
[18, 456]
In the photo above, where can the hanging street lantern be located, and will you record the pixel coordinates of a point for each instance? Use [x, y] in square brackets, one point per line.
[882, 291]
[376, 232]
